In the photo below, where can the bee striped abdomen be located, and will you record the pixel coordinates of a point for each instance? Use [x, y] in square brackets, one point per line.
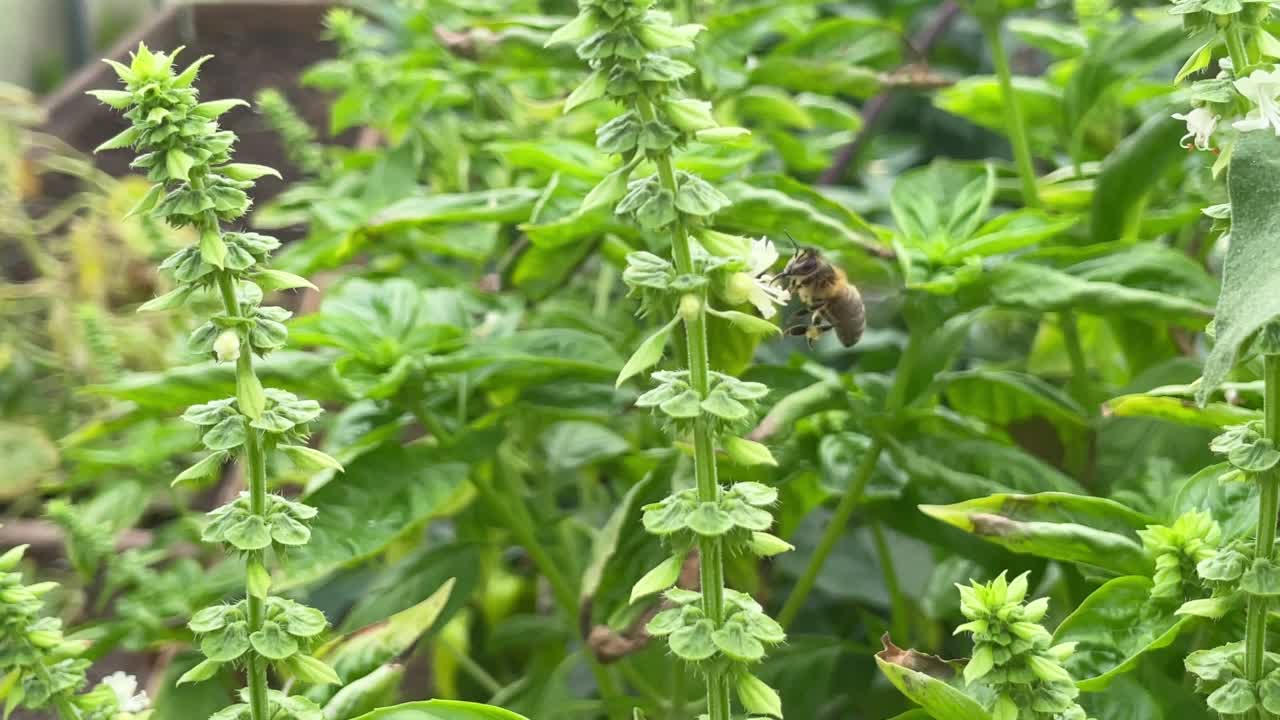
[847, 316]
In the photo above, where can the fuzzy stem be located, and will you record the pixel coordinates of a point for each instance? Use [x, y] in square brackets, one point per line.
[255, 459]
[1017, 128]
[710, 549]
[853, 496]
[1268, 507]
[1236, 49]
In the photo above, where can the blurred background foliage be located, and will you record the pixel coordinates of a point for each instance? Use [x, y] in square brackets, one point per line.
[470, 323]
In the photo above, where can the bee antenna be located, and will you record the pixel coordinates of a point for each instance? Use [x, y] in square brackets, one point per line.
[794, 245]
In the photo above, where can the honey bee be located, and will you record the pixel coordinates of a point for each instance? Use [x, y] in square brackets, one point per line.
[831, 301]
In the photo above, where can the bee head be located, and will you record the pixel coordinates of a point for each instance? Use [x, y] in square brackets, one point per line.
[804, 262]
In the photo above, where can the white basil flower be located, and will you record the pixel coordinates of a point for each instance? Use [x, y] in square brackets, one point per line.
[1261, 87]
[125, 687]
[1201, 123]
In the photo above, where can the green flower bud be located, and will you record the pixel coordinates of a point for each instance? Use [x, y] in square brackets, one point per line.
[757, 697]
[10, 559]
[690, 114]
[765, 545]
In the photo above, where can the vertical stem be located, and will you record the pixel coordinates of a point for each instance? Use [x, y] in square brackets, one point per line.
[1017, 128]
[516, 518]
[1081, 388]
[704, 441]
[899, 622]
[1268, 507]
[834, 530]
[677, 692]
[844, 510]
[1236, 49]
[256, 470]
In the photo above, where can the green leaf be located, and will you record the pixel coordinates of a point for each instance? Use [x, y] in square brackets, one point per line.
[683, 406]
[979, 99]
[774, 211]
[1004, 397]
[721, 404]
[173, 299]
[608, 540]
[693, 642]
[979, 665]
[208, 466]
[441, 710]
[756, 697]
[1059, 526]
[648, 354]
[124, 139]
[1023, 286]
[213, 249]
[924, 679]
[1262, 579]
[257, 580]
[942, 205]
[1234, 698]
[312, 670]
[202, 671]
[1114, 627]
[361, 652]
[748, 323]
[178, 164]
[736, 643]
[213, 109]
[747, 452]
[383, 494]
[270, 279]
[247, 171]
[498, 205]
[226, 435]
[272, 642]
[1251, 277]
[1010, 232]
[1129, 173]
[377, 689]
[828, 77]
[709, 520]
[1198, 61]
[250, 533]
[1213, 416]
[659, 578]
[310, 458]
[226, 644]
[30, 457]
[249, 392]
[381, 322]
[1234, 506]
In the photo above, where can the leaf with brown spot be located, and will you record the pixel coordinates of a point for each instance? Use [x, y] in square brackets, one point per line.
[920, 677]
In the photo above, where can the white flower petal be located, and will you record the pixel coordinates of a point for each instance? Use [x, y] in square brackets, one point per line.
[125, 687]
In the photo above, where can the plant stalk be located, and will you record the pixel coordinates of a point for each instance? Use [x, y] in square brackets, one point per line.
[1236, 49]
[516, 518]
[711, 566]
[1017, 127]
[1268, 508]
[256, 472]
[853, 496]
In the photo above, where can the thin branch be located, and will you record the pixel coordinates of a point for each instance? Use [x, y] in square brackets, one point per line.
[876, 107]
